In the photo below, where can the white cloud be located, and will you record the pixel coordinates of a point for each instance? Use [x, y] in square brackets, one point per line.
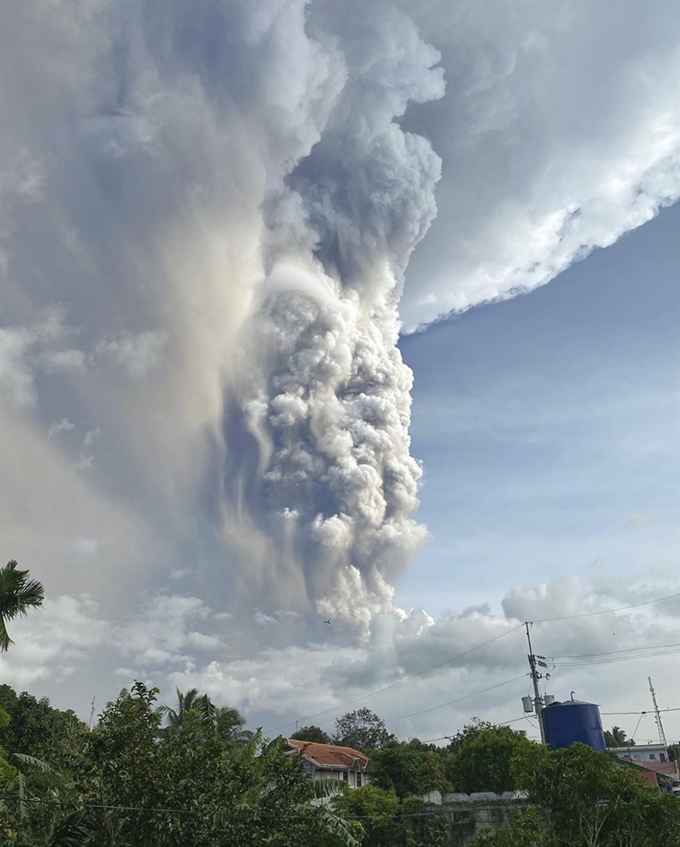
[163, 630]
[85, 546]
[66, 360]
[54, 641]
[559, 133]
[264, 620]
[56, 428]
[556, 136]
[138, 354]
[275, 686]
[16, 377]
[25, 349]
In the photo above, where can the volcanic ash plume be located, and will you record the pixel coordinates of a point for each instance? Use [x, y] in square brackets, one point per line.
[218, 197]
[320, 485]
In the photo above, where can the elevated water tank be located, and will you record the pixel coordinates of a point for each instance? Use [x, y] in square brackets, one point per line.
[570, 721]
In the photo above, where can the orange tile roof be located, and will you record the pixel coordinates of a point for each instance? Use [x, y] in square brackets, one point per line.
[329, 755]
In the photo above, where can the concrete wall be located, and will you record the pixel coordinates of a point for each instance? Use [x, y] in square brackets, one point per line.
[469, 814]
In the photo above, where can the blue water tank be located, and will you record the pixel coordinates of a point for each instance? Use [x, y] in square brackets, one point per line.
[565, 723]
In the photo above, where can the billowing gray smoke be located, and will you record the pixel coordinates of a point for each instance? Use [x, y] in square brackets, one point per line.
[317, 436]
[212, 204]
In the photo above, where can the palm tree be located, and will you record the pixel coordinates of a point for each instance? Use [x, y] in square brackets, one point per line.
[17, 595]
[229, 725]
[189, 702]
[617, 738]
[225, 722]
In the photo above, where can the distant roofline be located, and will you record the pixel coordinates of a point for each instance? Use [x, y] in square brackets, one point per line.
[627, 747]
[358, 758]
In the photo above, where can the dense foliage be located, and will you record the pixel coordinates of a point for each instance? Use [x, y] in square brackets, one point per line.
[191, 775]
[311, 733]
[129, 783]
[590, 799]
[362, 730]
[579, 798]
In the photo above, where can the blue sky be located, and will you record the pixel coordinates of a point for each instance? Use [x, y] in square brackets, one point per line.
[207, 219]
[548, 428]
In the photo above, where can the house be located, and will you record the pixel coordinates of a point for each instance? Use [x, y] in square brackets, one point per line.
[328, 761]
[650, 773]
[653, 757]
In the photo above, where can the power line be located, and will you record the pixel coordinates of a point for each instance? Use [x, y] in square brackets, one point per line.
[459, 700]
[170, 811]
[617, 659]
[642, 712]
[611, 652]
[399, 682]
[449, 737]
[394, 685]
[608, 611]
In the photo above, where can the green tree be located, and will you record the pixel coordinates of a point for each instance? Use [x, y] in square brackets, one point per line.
[590, 799]
[617, 738]
[311, 733]
[362, 730]
[224, 722]
[230, 726]
[527, 831]
[18, 594]
[192, 701]
[190, 788]
[419, 827]
[408, 770]
[482, 759]
[467, 733]
[376, 810]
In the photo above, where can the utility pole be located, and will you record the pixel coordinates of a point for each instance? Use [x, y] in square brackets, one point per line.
[535, 661]
[657, 715]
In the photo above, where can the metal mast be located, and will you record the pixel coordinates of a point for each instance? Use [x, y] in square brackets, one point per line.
[535, 661]
[657, 714]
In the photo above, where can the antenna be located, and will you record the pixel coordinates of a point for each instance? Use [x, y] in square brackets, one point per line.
[657, 714]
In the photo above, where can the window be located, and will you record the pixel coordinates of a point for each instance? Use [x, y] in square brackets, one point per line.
[662, 757]
[358, 780]
[345, 776]
[652, 757]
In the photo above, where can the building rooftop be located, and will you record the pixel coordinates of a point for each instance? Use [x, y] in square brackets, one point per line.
[329, 755]
[643, 748]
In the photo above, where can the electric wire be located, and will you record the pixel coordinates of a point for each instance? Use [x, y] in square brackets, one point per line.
[393, 685]
[623, 650]
[642, 712]
[171, 811]
[616, 660]
[608, 611]
[398, 682]
[458, 700]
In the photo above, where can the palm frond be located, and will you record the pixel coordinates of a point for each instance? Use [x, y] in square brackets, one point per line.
[208, 711]
[323, 788]
[18, 593]
[338, 827]
[38, 764]
[5, 640]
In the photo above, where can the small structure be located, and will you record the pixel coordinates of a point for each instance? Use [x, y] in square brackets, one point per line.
[328, 761]
[468, 815]
[652, 757]
[571, 721]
